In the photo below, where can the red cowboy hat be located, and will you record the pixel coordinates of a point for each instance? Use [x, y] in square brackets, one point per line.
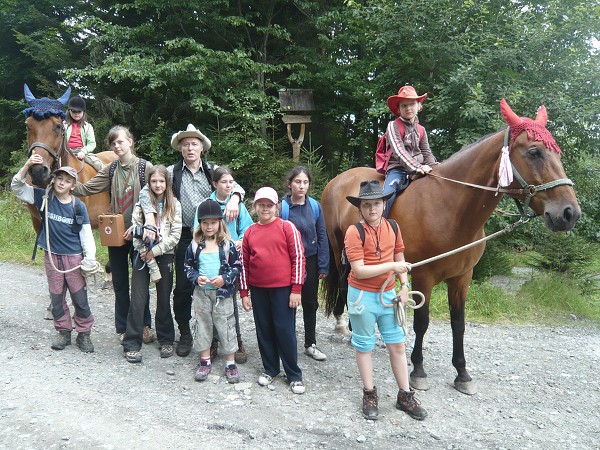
[405, 93]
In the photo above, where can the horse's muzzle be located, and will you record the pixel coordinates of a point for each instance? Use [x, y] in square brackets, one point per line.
[563, 220]
[40, 175]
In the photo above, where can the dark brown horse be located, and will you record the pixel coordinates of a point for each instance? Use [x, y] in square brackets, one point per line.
[436, 216]
[46, 137]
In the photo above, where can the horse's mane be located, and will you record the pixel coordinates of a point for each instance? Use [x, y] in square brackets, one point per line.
[460, 154]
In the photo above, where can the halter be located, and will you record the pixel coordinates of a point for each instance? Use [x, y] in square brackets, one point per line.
[56, 154]
[528, 190]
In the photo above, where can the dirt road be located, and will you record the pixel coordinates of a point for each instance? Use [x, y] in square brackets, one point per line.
[538, 388]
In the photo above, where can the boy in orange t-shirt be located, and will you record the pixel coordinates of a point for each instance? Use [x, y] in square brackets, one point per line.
[371, 264]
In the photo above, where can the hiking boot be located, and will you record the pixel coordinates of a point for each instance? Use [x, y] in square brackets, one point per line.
[297, 387]
[202, 371]
[232, 374]
[84, 342]
[240, 356]
[133, 356]
[214, 349]
[62, 339]
[166, 351]
[315, 353]
[148, 335]
[407, 402]
[184, 346]
[264, 379]
[370, 410]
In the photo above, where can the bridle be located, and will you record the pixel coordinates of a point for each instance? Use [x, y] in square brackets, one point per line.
[528, 190]
[57, 154]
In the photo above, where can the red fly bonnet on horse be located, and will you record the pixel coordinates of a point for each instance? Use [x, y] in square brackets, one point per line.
[42, 108]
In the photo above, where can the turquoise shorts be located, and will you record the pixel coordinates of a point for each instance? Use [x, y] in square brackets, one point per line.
[365, 310]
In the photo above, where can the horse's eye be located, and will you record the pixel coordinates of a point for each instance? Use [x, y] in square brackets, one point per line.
[534, 152]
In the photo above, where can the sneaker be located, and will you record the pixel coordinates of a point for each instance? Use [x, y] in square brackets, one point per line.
[62, 339]
[121, 337]
[133, 357]
[370, 409]
[148, 335]
[184, 346]
[241, 357]
[166, 351]
[202, 371]
[84, 342]
[315, 353]
[232, 374]
[407, 402]
[297, 387]
[264, 379]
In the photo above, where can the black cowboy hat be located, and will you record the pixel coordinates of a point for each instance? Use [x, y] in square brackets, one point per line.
[369, 190]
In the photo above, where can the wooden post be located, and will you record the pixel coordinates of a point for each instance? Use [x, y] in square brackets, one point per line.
[296, 143]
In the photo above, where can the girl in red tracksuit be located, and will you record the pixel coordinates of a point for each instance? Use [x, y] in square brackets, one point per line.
[274, 271]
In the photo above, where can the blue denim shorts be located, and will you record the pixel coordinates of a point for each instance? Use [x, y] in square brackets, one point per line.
[365, 310]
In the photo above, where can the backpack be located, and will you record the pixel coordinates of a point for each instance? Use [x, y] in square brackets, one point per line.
[141, 173]
[382, 156]
[285, 208]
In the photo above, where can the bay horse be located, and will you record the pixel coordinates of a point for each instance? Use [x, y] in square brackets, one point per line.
[437, 215]
[46, 137]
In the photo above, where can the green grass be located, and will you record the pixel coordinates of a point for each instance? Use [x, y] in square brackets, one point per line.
[17, 235]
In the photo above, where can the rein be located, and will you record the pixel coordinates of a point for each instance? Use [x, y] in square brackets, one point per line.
[529, 190]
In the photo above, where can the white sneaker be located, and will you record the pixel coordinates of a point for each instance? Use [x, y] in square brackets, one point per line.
[264, 379]
[297, 387]
[315, 353]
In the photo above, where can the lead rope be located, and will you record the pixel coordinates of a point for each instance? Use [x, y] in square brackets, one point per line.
[399, 309]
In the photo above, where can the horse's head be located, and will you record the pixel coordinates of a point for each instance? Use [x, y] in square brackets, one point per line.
[45, 133]
[535, 158]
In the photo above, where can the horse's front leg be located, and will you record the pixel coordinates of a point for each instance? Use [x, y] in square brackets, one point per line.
[458, 289]
[418, 377]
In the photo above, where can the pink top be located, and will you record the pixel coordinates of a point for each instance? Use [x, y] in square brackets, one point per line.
[75, 140]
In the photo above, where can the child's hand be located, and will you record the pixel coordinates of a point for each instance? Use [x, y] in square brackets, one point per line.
[401, 267]
[295, 300]
[33, 159]
[202, 280]
[80, 156]
[128, 234]
[246, 304]
[217, 281]
[238, 245]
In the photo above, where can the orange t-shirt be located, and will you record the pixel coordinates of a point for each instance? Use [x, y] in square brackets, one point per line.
[389, 245]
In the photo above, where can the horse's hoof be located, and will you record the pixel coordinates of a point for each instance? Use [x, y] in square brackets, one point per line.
[419, 383]
[466, 387]
[341, 326]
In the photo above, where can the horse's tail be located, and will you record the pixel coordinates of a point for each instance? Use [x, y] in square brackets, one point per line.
[332, 284]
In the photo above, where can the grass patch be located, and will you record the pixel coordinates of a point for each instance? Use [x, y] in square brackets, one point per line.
[17, 236]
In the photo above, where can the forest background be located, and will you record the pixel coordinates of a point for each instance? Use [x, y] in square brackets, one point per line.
[156, 66]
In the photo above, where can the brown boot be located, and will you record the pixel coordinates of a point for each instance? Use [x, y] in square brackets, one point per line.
[370, 410]
[240, 355]
[407, 402]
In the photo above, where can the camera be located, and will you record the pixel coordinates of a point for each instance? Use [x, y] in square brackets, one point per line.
[138, 232]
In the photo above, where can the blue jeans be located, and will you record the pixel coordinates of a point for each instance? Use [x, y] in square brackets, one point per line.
[396, 180]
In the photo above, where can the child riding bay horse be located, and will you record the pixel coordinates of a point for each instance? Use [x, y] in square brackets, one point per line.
[46, 137]
[448, 209]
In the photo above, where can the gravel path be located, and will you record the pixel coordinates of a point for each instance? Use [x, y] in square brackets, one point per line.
[538, 387]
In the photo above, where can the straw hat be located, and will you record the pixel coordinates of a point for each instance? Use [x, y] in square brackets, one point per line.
[191, 131]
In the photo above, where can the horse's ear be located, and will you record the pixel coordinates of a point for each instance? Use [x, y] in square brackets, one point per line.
[29, 97]
[509, 116]
[542, 116]
[64, 99]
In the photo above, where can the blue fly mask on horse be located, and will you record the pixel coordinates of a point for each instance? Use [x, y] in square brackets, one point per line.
[42, 108]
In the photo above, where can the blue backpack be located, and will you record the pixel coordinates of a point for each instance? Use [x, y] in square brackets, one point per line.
[285, 208]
